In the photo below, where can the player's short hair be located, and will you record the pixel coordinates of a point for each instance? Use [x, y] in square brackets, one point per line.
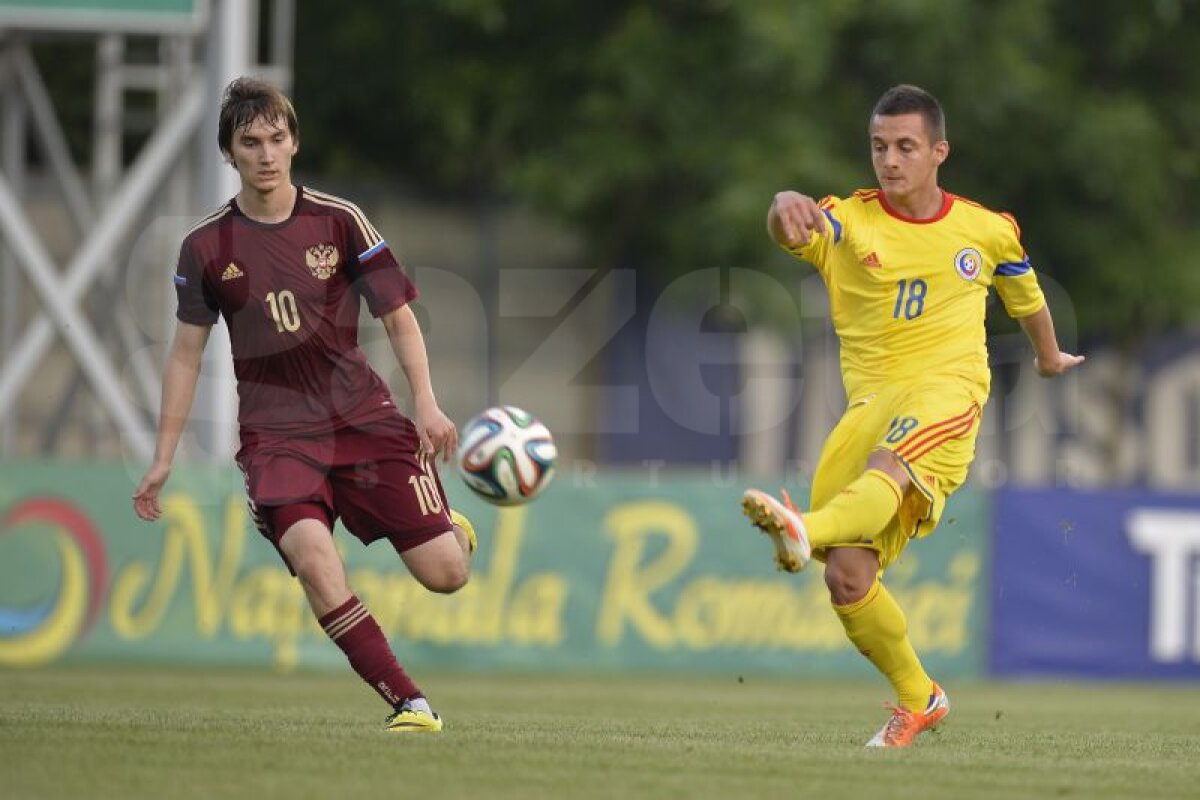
[245, 100]
[909, 99]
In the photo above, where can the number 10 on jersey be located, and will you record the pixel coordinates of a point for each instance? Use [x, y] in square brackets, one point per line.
[284, 311]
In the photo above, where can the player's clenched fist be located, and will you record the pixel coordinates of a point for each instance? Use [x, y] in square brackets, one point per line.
[793, 218]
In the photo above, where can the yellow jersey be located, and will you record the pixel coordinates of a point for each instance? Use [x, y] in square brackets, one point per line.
[908, 297]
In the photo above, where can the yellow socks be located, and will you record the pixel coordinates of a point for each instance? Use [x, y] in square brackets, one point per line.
[860, 512]
[876, 626]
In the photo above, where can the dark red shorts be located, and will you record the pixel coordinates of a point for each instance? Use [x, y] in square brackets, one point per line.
[371, 477]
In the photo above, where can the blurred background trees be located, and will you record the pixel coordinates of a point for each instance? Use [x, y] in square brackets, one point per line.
[660, 130]
[492, 136]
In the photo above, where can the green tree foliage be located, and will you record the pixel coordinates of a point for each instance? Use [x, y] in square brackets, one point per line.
[660, 130]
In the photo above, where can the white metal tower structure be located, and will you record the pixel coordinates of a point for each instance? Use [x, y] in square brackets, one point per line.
[105, 310]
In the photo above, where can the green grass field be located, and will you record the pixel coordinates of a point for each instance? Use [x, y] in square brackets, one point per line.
[176, 733]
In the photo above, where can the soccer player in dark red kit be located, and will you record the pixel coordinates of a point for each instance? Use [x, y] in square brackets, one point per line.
[321, 436]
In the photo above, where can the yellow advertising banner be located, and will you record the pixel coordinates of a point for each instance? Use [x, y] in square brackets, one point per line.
[615, 572]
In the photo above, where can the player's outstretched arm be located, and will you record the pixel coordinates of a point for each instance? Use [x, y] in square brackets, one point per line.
[792, 219]
[437, 432]
[178, 391]
[1048, 359]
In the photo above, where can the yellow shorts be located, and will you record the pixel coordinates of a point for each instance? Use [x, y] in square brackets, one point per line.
[930, 427]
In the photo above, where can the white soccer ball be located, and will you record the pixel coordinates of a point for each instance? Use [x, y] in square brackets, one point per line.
[506, 456]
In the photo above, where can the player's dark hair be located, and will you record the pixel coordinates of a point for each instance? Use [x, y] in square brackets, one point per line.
[245, 100]
[909, 99]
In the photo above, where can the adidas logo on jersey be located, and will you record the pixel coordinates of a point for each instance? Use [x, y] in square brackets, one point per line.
[871, 260]
[231, 272]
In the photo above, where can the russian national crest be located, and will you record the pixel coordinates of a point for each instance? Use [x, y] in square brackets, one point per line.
[322, 260]
[968, 263]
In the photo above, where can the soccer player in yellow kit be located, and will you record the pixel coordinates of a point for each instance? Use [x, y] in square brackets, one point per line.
[907, 267]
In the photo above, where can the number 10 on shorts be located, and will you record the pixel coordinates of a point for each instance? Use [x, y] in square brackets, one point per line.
[427, 494]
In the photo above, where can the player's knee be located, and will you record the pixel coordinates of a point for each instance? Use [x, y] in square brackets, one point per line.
[847, 583]
[448, 578]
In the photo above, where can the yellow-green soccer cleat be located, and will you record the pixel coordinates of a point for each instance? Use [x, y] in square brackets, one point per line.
[469, 529]
[412, 720]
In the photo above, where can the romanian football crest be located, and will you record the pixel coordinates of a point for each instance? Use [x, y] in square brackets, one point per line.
[968, 262]
[322, 260]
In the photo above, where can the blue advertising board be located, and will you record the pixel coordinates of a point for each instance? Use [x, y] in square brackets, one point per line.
[1095, 584]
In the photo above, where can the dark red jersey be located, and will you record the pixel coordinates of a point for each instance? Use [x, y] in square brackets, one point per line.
[290, 294]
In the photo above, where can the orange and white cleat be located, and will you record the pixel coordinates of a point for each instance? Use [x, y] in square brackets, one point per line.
[782, 522]
[903, 727]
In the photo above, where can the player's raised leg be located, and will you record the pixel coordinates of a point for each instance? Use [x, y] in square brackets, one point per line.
[405, 503]
[856, 491]
[307, 545]
[855, 515]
